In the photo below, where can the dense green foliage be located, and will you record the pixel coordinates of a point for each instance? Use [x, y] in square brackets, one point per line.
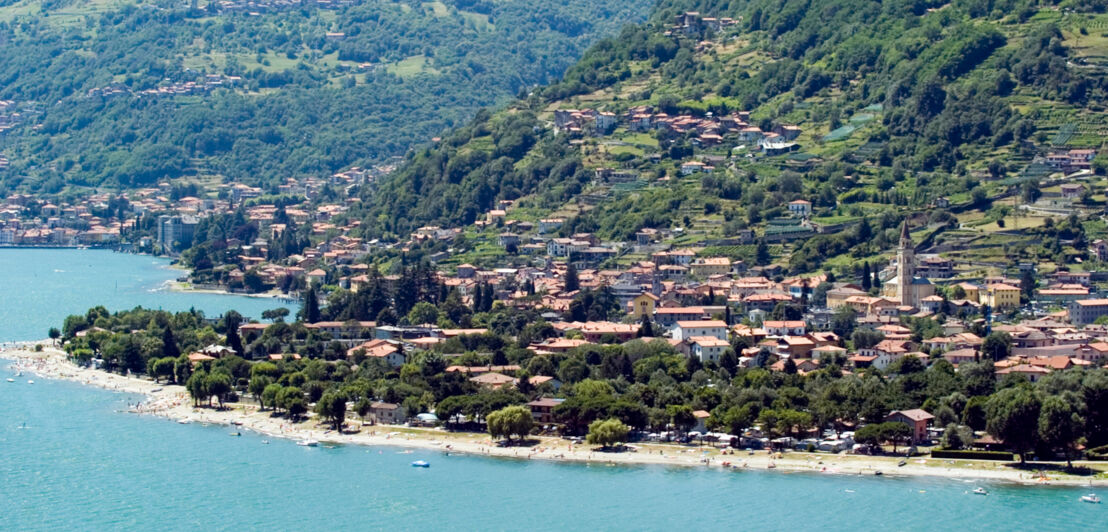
[304, 105]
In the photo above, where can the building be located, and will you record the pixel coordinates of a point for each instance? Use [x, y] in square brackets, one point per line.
[917, 419]
[643, 305]
[175, 233]
[543, 409]
[1085, 311]
[688, 329]
[705, 268]
[1001, 296]
[785, 328]
[380, 350]
[386, 413]
[907, 289]
[801, 208]
[669, 316]
[707, 348]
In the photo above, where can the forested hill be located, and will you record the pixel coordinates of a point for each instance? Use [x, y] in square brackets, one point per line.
[128, 92]
[900, 104]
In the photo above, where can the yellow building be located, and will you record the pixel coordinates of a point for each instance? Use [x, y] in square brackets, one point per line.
[1001, 296]
[643, 304]
[973, 292]
[705, 268]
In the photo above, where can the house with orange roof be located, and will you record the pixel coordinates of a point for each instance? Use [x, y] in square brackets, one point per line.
[380, 350]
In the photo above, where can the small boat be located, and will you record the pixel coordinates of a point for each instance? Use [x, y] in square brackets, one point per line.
[902, 463]
[307, 443]
[265, 442]
[183, 421]
[156, 390]
[30, 382]
[980, 491]
[1092, 497]
[237, 423]
[878, 473]
[236, 434]
[421, 463]
[11, 380]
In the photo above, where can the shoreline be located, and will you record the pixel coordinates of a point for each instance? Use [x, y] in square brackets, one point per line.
[187, 288]
[172, 402]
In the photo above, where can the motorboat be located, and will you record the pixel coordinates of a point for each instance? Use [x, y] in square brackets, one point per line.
[421, 463]
[980, 491]
[11, 380]
[307, 443]
[236, 434]
[30, 382]
[1092, 497]
[265, 442]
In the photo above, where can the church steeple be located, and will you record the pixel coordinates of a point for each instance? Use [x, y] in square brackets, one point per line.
[905, 268]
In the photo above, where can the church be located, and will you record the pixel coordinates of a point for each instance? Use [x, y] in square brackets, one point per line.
[907, 289]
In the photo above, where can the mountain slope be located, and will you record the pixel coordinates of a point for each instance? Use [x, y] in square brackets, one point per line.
[124, 94]
[901, 104]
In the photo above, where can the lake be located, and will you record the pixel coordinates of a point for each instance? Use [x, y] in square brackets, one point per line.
[40, 287]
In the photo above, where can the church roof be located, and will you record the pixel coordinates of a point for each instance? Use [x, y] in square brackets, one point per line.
[920, 280]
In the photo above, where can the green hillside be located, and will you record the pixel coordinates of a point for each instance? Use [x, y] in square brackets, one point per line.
[901, 106]
[123, 93]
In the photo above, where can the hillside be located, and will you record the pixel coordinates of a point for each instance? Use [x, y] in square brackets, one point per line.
[122, 93]
[947, 113]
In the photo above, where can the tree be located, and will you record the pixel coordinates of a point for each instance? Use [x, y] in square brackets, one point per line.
[423, 312]
[218, 385]
[761, 253]
[866, 279]
[270, 394]
[257, 386]
[682, 417]
[647, 328]
[997, 346]
[1060, 425]
[197, 386]
[1012, 416]
[956, 437]
[310, 312]
[607, 433]
[291, 398]
[843, 321]
[1028, 285]
[55, 334]
[275, 315]
[895, 432]
[738, 418]
[169, 343]
[332, 406]
[510, 421]
[571, 281]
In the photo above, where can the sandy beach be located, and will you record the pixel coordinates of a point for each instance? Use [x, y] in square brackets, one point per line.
[177, 286]
[173, 402]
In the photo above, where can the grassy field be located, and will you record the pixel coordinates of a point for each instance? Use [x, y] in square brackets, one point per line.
[412, 66]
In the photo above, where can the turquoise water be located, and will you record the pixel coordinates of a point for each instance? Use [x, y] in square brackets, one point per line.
[81, 464]
[40, 287]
